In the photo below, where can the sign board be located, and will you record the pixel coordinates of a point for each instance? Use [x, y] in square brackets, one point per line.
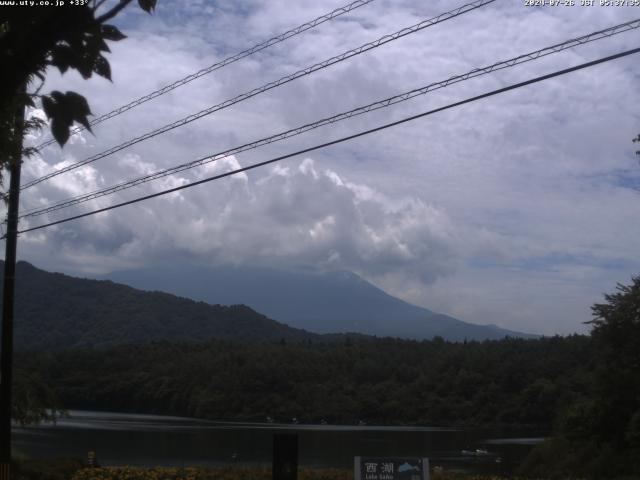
[91, 459]
[391, 468]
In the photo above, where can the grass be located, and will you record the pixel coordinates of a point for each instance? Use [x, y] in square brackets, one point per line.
[57, 469]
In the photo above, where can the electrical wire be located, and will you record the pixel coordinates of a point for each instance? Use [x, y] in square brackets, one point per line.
[286, 79]
[608, 32]
[222, 63]
[340, 140]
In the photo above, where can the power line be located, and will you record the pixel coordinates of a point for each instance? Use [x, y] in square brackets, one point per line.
[286, 79]
[343, 139]
[339, 117]
[222, 63]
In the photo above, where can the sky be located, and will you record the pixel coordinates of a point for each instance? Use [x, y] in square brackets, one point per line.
[519, 210]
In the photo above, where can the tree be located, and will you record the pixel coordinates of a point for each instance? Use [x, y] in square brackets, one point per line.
[616, 333]
[599, 432]
[34, 39]
[34, 399]
[603, 430]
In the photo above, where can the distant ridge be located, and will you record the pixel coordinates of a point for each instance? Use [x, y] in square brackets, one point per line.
[321, 302]
[55, 311]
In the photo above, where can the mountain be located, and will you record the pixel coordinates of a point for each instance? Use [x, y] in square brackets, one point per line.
[320, 302]
[58, 311]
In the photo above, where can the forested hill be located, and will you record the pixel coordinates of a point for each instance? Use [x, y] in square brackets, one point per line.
[57, 311]
[381, 381]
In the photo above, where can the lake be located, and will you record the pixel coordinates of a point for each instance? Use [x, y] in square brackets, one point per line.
[149, 440]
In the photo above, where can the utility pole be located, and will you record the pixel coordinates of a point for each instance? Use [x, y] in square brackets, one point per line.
[6, 355]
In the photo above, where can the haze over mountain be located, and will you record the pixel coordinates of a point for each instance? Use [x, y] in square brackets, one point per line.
[322, 302]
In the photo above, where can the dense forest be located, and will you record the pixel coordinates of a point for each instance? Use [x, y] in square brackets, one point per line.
[384, 381]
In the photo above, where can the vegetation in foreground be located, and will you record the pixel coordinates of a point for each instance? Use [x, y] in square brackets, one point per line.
[55, 469]
[73, 470]
[238, 473]
[599, 435]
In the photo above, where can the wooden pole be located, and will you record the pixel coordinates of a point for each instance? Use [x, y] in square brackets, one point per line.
[6, 354]
[285, 457]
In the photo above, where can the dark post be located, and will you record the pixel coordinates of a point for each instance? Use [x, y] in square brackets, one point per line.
[285, 456]
[6, 356]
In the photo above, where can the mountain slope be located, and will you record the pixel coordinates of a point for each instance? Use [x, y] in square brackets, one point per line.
[59, 311]
[318, 302]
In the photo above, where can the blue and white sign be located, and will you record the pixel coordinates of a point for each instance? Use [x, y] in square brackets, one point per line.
[367, 468]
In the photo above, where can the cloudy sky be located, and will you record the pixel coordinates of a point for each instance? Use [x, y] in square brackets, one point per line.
[519, 210]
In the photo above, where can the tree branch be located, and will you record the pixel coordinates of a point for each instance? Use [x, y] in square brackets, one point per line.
[98, 4]
[113, 12]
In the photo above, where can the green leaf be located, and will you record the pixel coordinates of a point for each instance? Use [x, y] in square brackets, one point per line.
[77, 103]
[85, 66]
[57, 96]
[102, 45]
[147, 5]
[49, 106]
[112, 33]
[60, 130]
[102, 67]
[77, 108]
[63, 57]
[63, 109]
[84, 121]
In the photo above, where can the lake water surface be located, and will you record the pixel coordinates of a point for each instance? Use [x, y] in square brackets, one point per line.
[149, 440]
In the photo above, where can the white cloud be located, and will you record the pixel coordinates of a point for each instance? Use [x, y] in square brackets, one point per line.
[517, 210]
[291, 216]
